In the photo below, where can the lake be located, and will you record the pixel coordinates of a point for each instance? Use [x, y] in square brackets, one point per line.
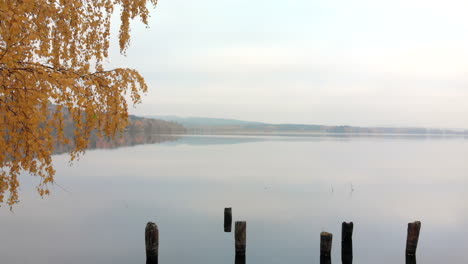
[288, 188]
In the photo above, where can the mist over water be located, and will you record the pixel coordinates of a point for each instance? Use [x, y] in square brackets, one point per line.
[287, 188]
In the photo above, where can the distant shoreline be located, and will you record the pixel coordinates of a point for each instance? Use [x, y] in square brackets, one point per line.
[202, 125]
[298, 134]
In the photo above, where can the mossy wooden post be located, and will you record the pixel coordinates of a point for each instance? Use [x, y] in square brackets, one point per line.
[152, 243]
[227, 219]
[347, 243]
[240, 236]
[412, 238]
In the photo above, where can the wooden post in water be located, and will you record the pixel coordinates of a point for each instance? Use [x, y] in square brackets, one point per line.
[347, 243]
[410, 259]
[325, 244]
[227, 219]
[240, 236]
[239, 259]
[412, 238]
[151, 243]
[325, 247]
[325, 260]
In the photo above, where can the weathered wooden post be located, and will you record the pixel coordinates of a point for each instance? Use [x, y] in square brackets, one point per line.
[410, 259]
[325, 247]
[347, 243]
[412, 238]
[151, 243]
[325, 244]
[240, 259]
[325, 260]
[227, 219]
[240, 236]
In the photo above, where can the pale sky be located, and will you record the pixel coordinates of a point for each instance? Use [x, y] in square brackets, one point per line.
[337, 62]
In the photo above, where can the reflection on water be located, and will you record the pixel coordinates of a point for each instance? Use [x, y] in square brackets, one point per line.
[140, 138]
[288, 189]
[126, 139]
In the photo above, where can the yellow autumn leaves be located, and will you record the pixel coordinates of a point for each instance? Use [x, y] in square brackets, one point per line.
[51, 55]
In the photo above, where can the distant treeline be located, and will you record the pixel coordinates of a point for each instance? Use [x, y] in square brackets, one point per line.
[361, 130]
[207, 125]
[300, 128]
[139, 131]
[154, 126]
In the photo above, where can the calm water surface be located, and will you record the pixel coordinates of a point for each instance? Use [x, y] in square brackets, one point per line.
[288, 189]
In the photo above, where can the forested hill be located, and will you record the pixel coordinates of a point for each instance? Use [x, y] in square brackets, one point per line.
[218, 125]
[139, 131]
[136, 124]
[155, 126]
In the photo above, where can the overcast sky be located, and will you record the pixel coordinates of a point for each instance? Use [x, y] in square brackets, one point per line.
[359, 62]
